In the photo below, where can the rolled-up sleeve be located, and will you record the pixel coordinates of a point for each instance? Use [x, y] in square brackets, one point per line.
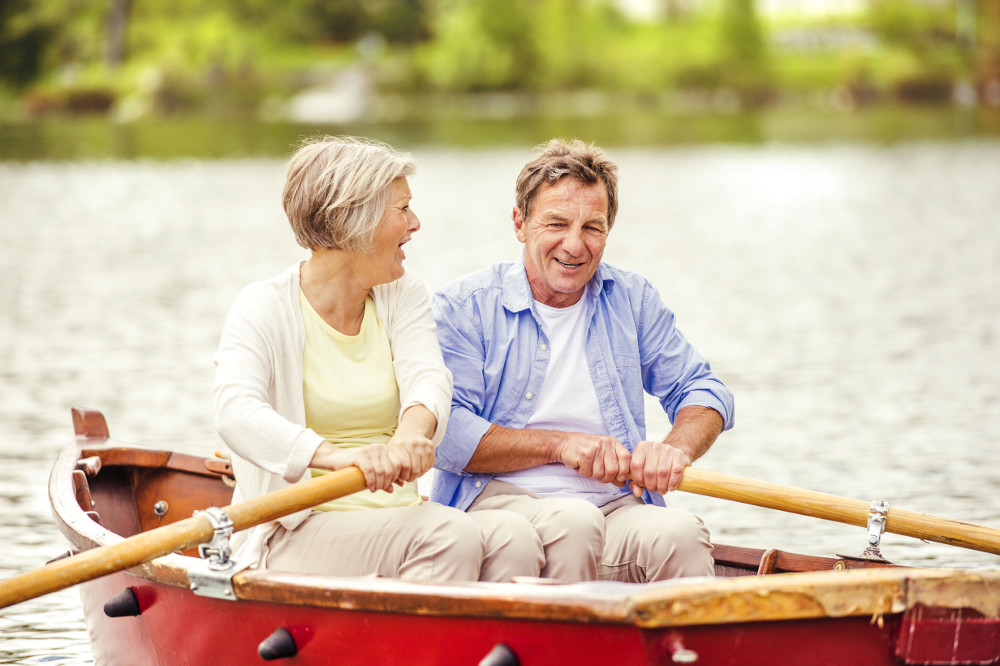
[673, 370]
[463, 347]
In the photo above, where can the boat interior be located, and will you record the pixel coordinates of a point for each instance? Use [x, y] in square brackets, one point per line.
[129, 490]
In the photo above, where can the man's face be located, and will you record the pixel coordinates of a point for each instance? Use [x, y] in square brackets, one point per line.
[563, 239]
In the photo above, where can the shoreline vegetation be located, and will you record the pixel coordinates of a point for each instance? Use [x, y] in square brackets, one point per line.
[343, 63]
[62, 137]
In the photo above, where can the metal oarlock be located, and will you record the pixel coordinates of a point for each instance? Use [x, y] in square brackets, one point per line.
[213, 578]
[877, 515]
[217, 550]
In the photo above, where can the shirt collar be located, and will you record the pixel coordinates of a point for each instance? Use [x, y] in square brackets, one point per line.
[517, 291]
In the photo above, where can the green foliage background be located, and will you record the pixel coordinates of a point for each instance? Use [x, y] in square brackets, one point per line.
[234, 57]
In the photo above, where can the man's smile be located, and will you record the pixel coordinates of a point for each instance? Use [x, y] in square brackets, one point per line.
[568, 265]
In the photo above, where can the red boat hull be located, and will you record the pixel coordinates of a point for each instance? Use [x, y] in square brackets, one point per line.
[765, 607]
[177, 627]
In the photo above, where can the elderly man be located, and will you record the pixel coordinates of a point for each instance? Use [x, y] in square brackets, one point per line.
[550, 356]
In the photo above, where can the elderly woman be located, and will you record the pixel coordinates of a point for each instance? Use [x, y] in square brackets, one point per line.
[335, 363]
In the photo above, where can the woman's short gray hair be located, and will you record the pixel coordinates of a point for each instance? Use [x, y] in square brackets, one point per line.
[337, 189]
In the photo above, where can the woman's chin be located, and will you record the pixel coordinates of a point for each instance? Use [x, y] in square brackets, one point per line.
[396, 272]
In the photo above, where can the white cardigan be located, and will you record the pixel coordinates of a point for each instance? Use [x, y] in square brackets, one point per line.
[257, 396]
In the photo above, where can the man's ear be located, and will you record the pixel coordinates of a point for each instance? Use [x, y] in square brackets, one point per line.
[519, 222]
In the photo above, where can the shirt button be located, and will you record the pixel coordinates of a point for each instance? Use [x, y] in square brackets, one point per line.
[528, 395]
[543, 347]
[479, 484]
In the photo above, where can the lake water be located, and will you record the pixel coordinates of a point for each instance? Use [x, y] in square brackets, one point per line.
[849, 294]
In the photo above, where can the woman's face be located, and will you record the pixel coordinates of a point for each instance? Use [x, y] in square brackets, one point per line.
[398, 224]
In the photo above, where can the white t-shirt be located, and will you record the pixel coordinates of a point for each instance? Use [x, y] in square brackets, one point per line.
[567, 401]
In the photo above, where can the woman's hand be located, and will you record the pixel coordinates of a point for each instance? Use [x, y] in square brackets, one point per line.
[374, 460]
[410, 445]
[405, 457]
[413, 453]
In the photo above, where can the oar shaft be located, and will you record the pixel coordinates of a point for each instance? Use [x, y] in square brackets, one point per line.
[181, 535]
[839, 509]
[91, 564]
[296, 498]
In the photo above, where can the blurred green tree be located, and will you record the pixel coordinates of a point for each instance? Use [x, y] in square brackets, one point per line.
[480, 45]
[23, 42]
[572, 40]
[925, 34]
[742, 51]
[988, 44]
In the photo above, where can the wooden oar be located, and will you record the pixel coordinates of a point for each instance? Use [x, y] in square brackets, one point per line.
[177, 536]
[839, 509]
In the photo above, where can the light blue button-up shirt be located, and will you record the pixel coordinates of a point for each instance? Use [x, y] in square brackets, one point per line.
[494, 345]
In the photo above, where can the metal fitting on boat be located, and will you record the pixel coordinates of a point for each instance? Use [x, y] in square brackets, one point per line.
[161, 508]
[212, 576]
[217, 550]
[877, 515]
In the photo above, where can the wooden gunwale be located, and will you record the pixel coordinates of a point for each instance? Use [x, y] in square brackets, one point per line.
[873, 593]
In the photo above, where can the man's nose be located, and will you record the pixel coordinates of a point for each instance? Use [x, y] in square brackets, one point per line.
[573, 241]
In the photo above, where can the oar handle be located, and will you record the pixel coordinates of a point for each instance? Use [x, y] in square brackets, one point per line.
[178, 536]
[839, 509]
[296, 497]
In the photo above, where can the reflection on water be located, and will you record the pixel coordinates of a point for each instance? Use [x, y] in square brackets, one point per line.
[195, 137]
[849, 295]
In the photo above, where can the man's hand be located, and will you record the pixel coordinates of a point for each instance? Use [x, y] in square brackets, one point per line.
[657, 467]
[600, 457]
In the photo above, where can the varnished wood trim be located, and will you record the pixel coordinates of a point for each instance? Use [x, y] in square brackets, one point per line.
[767, 562]
[89, 423]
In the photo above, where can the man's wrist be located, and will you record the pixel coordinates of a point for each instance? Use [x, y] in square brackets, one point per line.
[557, 443]
[680, 446]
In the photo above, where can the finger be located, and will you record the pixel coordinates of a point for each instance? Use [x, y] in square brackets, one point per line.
[656, 475]
[376, 469]
[676, 474]
[651, 473]
[573, 453]
[610, 465]
[408, 464]
[637, 465]
[396, 461]
[368, 471]
[425, 457]
[597, 465]
[385, 466]
[624, 463]
[585, 463]
[402, 460]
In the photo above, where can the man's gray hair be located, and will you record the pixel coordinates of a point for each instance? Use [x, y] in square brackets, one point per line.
[337, 189]
[558, 159]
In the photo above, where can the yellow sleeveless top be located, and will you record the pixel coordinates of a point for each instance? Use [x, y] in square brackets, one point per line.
[351, 396]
